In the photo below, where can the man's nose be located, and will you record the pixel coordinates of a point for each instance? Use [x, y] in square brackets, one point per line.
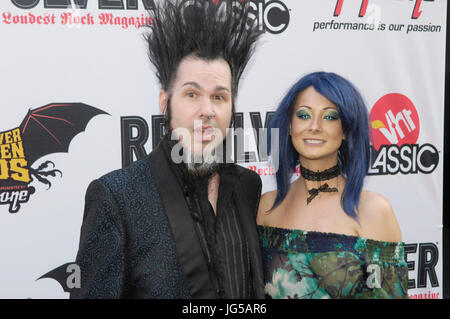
[207, 108]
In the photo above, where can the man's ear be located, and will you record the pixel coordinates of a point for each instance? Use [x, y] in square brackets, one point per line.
[163, 99]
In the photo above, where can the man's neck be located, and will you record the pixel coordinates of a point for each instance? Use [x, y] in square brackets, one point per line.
[213, 190]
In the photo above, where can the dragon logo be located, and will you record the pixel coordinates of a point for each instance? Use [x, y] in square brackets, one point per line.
[44, 130]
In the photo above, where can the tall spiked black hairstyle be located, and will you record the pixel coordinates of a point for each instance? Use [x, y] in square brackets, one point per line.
[207, 29]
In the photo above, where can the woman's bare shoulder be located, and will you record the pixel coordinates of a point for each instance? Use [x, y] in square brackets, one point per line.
[265, 204]
[377, 218]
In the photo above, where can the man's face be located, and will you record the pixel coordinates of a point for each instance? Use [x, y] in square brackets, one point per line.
[201, 103]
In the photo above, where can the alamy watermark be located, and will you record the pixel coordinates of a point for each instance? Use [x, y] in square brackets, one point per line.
[208, 145]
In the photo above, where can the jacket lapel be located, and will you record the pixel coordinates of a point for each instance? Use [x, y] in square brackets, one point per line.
[190, 253]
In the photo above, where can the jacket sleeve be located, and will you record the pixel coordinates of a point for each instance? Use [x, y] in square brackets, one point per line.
[101, 251]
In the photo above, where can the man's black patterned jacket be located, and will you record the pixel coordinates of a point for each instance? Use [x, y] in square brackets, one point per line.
[138, 239]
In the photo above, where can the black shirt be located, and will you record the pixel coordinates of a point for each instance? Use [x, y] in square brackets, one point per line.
[227, 245]
[223, 242]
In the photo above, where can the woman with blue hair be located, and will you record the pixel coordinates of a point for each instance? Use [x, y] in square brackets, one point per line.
[323, 235]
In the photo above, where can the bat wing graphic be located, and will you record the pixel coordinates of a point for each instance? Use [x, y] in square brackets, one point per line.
[50, 128]
[62, 275]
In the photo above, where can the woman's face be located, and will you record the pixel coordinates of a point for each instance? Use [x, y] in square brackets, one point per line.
[316, 128]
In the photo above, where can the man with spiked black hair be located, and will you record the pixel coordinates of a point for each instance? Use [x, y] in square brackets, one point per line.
[207, 29]
[181, 223]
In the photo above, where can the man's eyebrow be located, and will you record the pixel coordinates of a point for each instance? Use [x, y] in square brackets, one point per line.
[195, 84]
[221, 88]
[199, 87]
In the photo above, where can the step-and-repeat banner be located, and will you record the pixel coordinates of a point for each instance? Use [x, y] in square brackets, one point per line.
[79, 99]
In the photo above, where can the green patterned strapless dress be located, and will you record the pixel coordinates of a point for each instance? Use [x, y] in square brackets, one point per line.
[308, 264]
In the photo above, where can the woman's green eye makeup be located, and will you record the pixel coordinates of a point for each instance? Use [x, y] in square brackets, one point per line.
[331, 115]
[303, 114]
[327, 115]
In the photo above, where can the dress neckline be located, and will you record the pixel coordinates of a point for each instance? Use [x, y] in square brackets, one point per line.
[315, 233]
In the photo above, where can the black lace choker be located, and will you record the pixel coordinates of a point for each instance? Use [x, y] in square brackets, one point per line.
[325, 175]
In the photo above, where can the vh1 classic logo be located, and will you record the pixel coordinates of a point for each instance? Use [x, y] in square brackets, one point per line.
[395, 130]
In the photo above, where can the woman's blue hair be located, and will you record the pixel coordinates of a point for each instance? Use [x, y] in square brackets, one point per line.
[354, 153]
